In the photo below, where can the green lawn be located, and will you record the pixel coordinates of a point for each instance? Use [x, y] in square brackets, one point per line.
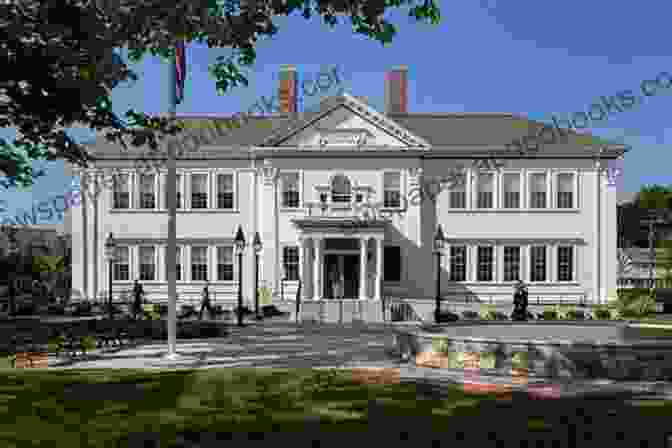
[100, 408]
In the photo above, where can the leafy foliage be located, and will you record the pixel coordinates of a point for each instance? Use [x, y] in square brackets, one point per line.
[73, 42]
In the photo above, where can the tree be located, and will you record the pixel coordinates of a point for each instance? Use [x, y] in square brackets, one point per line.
[73, 43]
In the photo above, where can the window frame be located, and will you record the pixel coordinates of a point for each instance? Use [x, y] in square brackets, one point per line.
[330, 193]
[191, 262]
[575, 188]
[156, 263]
[285, 264]
[547, 263]
[476, 190]
[138, 197]
[281, 189]
[233, 263]
[528, 189]
[129, 183]
[521, 189]
[402, 190]
[573, 270]
[493, 267]
[208, 190]
[214, 202]
[520, 262]
[128, 264]
[451, 270]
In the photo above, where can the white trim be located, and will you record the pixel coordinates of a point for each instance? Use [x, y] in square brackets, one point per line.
[528, 191]
[207, 251]
[556, 250]
[547, 279]
[128, 247]
[138, 197]
[402, 188]
[215, 272]
[477, 177]
[163, 185]
[234, 173]
[502, 191]
[157, 277]
[129, 184]
[575, 186]
[188, 205]
[493, 268]
[301, 207]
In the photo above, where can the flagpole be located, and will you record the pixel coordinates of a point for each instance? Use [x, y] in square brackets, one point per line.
[171, 249]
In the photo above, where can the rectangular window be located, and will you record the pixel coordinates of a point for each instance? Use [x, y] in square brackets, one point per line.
[178, 263]
[199, 263]
[290, 260]
[225, 191]
[485, 191]
[225, 263]
[457, 197]
[566, 190]
[122, 195]
[485, 264]
[178, 190]
[199, 191]
[290, 190]
[458, 263]
[538, 263]
[147, 263]
[392, 190]
[147, 191]
[511, 184]
[392, 263]
[511, 263]
[565, 264]
[538, 190]
[121, 264]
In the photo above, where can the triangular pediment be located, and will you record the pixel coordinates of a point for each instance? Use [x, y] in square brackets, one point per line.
[346, 122]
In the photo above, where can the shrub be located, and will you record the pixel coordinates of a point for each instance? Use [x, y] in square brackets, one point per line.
[575, 315]
[488, 313]
[468, 314]
[550, 315]
[519, 360]
[87, 343]
[56, 344]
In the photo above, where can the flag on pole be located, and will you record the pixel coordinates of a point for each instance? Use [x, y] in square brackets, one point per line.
[180, 70]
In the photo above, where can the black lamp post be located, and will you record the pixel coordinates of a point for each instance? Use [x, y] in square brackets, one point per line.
[110, 247]
[256, 244]
[240, 247]
[439, 242]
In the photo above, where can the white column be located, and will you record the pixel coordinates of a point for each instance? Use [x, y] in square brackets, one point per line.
[379, 269]
[362, 267]
[317, 265]
[302, 266]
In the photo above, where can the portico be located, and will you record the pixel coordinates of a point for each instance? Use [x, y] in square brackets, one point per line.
[341, 259]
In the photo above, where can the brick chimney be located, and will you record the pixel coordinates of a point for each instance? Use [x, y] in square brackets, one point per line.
[396, 90]
[288, 91]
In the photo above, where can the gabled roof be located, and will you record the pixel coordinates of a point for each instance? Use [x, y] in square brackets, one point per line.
[440, 133]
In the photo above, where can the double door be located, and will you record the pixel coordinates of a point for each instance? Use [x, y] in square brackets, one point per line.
[341, 276]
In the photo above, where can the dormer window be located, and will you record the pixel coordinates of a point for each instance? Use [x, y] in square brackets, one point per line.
[340, 189]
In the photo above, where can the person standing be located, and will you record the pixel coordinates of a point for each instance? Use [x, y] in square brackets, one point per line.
[205, 302]
[138, 292]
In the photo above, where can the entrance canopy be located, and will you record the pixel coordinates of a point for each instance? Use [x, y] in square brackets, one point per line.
[332, 227]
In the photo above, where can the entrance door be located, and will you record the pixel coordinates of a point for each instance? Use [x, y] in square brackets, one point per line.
[341, 276]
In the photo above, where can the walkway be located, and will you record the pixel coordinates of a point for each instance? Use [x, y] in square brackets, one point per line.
[286, 345]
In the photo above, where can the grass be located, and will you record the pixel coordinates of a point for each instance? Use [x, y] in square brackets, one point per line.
[100, 408]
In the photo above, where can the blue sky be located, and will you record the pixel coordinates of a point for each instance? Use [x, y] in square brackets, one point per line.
[528, 57]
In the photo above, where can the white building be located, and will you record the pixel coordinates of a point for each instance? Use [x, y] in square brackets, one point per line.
[548, 217]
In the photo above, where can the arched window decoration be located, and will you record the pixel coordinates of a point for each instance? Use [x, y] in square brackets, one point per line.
[340, 189]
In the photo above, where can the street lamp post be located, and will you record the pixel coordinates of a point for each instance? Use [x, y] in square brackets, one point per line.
[257, 246]
[110, 247]
[240, 247]
[439, 242]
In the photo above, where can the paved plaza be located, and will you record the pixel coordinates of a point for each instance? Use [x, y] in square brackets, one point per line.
[287, 345]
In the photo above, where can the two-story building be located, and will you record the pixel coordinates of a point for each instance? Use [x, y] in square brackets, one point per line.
[548, 217]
